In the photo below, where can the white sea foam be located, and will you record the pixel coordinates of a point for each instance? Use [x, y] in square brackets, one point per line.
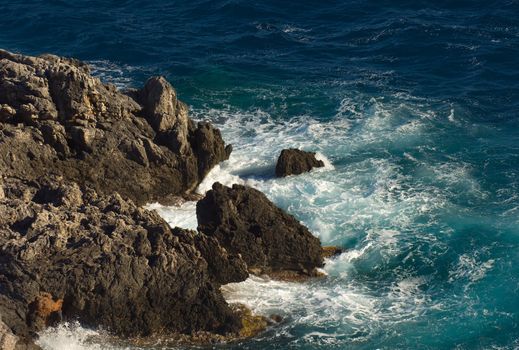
[292, 29]
[341, 308]
[341, 265]
[470, 267]
[345, 197]
[177, 216]
[370, 198]
[452, 118]
[407, 298]
[306, 303]
[71, 336]
[327, 163]
[109, 72]
[221, 174]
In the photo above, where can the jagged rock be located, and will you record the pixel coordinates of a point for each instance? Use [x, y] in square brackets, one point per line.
[294, 162]
[68, 254]
[223, 267]
[58, 119]
[6, 113]
[48, 87]
[9, 341]
[160, 104]
[54, 135]
[208, 145]
[153, 152]
[73, 248]
[245, 222]
[52, 192]
[136, 151]
[82, 138]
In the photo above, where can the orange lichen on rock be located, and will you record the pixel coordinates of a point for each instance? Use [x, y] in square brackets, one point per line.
[45, 310]
[46, 305]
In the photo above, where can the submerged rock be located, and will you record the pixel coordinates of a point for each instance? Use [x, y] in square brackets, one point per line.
[68, 254]
[294, 162]
[55, 118]
[251, 324]
[331, 251]
[245, 222]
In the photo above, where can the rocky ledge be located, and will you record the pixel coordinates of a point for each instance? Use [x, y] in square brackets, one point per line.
[55, 118]
[73, 255]
[78, 158]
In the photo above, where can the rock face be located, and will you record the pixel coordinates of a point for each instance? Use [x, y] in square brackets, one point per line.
[245, 222]
[68, 254]
[294, 162]
[56, 118]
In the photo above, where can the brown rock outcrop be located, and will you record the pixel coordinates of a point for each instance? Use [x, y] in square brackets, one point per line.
[8, 340]
[294, 162]
[68, 254]
[55, 118]
[245, 222]
[77, 158]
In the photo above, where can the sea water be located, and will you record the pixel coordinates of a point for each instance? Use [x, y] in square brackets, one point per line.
[413, 107]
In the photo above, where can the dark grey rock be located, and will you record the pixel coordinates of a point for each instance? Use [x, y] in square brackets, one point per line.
[245, 222]
[57, 119]
[294, 162]
[67, 254]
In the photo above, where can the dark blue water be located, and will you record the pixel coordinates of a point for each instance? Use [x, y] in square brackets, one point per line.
[414, 104]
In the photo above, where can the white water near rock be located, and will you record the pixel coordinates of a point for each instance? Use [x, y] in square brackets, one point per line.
[71, 336]
[177, 216]
[370, 200]
[368, 204]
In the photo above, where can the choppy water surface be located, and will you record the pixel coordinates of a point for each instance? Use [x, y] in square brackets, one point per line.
[413, 106]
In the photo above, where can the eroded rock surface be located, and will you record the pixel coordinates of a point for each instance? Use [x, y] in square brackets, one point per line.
[68, 254]
[245, 222]
[294, 162]
[55, 118]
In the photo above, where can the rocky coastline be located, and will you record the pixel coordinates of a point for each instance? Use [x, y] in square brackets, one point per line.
[78, 160]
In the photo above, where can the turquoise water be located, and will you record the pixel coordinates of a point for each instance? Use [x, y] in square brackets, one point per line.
[413, 105]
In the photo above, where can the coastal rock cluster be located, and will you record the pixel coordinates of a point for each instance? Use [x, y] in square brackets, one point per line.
[78, 159]
[58, 119]
[106, 262]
